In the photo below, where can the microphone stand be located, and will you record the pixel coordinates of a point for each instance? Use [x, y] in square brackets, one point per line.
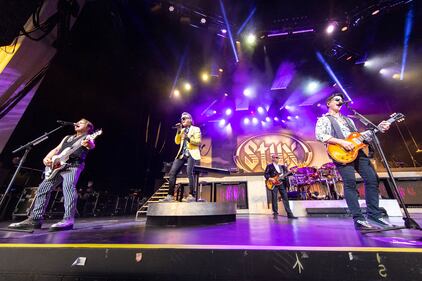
[27, 147]
[409, 223]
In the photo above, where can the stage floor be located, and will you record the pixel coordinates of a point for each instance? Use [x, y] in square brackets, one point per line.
[248, 232]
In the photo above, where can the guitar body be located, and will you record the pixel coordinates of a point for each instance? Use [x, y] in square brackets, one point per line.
[341, 155]
[277, 180]
[59, 162]
[270, 185]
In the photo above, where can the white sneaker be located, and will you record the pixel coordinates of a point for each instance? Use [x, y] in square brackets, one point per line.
[65, 224]
[382, 222]
[363, 225]
[168, 198]
[189, 199]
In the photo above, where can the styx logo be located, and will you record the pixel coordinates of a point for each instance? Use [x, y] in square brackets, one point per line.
[253, 154]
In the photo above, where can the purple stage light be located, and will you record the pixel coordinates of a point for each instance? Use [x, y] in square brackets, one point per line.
[249, 92]
[221, 123]
[276, 119]
[229, 111]
[284, 121]
[297, 116]
[246, 121]
[289, 117]
[319, 105]
[268, 119]
[255, 121]
[214, 112]
[260, 110]
[224, 31]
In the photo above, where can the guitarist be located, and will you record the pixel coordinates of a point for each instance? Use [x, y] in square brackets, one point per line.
[271, 171]
[68, 176]
[334, 128]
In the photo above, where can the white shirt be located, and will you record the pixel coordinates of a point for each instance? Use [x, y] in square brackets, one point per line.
[277, 167]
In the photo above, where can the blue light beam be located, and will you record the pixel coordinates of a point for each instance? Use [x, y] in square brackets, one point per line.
[331, 73]
[407, 31]
[226, 21]
[246, 21]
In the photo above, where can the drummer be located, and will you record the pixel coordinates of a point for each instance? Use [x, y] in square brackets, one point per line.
[271, 171]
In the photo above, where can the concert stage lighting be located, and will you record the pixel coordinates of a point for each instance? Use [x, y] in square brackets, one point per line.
[383, 71]
[289, 117]
[251, 39]
[396, 76]
[176, 93]
[260, 110]
[268, 119]
[276, 119]
[375, 12]
[229, 111]
[312, 87]
[255, 121]
[246, 121]
[222, 123]
[171, 8]
[224, 31]
[205, 77]
[203, 20]
[297, 116]
[187, 86]
[220, 70]
[344, 28]
[249, 92]
[330, 28]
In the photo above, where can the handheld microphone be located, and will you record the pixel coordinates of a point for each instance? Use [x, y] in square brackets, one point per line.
[65, 123]
[177, 126]
[345, 102]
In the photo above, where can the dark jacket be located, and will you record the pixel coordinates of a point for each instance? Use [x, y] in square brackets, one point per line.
[270, 171]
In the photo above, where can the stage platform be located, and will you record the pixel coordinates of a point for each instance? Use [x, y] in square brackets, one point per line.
[254, 247]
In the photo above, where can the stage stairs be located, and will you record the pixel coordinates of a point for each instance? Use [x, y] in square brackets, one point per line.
[159, 194]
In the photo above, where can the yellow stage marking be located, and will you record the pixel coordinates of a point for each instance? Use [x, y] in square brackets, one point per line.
[216, 247]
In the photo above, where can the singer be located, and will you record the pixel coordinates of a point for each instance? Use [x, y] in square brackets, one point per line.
[333, 128]
[68, 176]
[189, 139]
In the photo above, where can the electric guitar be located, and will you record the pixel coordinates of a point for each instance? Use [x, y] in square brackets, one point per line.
[59, 162]
[276, 180]
[341, 155]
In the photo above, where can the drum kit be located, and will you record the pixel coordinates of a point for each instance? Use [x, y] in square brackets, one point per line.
[313, 183]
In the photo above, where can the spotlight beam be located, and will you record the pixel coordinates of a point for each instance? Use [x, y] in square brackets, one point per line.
[407, 31]
[331, 73]
[179, 69]
[226, 21]
[246, 21]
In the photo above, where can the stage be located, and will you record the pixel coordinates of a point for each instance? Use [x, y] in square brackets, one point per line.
[254, 247]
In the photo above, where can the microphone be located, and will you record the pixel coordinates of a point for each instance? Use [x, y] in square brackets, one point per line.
[344, 102]
[65, 123]
[177, 126]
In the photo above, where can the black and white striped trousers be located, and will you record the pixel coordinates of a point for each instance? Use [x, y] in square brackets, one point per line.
[69, 177]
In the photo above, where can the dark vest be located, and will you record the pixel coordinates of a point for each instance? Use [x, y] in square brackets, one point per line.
[77, 157]
[335, 127]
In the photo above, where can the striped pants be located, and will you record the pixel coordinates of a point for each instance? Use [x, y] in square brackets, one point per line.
[69, 177]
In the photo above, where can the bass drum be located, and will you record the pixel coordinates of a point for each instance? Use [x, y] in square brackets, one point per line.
[316, 191]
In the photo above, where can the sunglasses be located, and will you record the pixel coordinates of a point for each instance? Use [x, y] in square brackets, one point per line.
[184, 118]
[338, 99]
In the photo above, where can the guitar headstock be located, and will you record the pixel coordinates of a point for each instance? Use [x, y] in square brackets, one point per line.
[396, 117]
[95, 134]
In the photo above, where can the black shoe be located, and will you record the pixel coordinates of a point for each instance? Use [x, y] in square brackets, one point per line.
[28, 224]
[275, 216]
[381, 222]
[62, 225]
[363, 225]
[292, 217]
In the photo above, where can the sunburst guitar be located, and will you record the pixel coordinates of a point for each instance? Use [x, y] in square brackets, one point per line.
[276, 180]
[341, 155]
